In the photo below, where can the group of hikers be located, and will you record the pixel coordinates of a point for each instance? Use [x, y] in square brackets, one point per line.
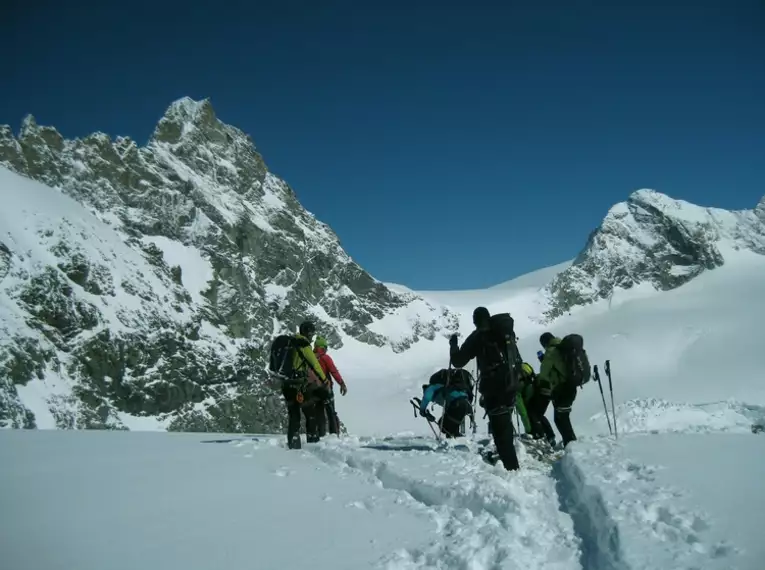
[306, 374]
[506, 383]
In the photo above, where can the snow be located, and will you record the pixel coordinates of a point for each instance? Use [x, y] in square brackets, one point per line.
[661, 416]
[635, 514]
[277, 293]
[211, 500]
[196, 271]
[724, 474]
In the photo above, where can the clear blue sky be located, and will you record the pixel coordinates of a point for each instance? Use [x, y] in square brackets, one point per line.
[449, 144]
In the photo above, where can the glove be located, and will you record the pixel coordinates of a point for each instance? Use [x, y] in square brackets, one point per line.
[453, 340]
[343, 389]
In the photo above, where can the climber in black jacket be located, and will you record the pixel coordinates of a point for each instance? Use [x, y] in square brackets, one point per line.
[496, 388]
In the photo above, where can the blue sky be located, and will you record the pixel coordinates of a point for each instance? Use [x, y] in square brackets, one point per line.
[449, 144]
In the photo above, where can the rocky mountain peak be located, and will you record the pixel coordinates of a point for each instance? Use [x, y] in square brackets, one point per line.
[653, 238]
[210, 256]
[185, 116]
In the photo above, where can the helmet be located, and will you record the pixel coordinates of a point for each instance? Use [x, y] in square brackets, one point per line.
[320, 342]
[307, 328]
[545, 339]
[528, 371]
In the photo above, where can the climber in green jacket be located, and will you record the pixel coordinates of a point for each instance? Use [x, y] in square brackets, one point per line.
[552, 386]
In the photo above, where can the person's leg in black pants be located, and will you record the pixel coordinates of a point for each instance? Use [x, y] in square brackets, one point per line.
[499, 406]
[563, 399]
[537, 409]
[293, 418]
[311, 422]
[320, 413]
[334, 423]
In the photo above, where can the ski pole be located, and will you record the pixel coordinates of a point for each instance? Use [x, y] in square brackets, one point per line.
[603, 397]
[611, 389]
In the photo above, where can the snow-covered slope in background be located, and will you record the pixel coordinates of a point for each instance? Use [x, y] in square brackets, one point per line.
[694, 344]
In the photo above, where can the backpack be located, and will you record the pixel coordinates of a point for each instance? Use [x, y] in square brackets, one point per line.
[457, 378]
[282, 361]
[574, 357]
[502, 327]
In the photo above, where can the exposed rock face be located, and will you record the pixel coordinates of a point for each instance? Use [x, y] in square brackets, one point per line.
[152, 281]
[655, 239]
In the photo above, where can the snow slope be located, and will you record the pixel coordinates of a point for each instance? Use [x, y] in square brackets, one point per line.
[694, 344]
[124, 500]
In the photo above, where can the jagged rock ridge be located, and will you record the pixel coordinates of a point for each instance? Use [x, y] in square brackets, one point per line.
[207, 256]
[655, 239]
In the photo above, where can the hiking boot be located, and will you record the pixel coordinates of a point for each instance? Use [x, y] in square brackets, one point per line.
[295, 442]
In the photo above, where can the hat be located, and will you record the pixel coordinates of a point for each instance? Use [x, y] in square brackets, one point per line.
[545, 339]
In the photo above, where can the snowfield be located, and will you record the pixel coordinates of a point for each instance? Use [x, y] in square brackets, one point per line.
[150, 500]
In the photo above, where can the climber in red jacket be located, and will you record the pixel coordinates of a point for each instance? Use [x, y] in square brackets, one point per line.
[330, 371]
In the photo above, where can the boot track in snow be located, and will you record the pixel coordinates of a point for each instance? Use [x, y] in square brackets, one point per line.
[485, 517]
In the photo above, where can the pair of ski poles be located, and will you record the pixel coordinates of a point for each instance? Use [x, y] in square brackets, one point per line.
[610, 389]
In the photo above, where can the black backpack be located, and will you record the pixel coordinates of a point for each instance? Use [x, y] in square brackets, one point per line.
[574, 357]
[502, 329]
[282, 359]
[456, 378]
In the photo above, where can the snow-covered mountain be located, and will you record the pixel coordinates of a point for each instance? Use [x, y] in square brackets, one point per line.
[141, 285]
[652, 238]
[149, 283]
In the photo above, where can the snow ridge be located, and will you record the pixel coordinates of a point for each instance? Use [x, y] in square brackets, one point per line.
[655, 415]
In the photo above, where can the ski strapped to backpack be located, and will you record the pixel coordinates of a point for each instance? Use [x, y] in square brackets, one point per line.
[574, 357]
